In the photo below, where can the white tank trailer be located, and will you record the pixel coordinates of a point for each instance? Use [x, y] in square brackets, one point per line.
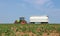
[39, 19]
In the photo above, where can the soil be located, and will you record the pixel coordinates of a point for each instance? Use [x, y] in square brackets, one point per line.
[32, 34]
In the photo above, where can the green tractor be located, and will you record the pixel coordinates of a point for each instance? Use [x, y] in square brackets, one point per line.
[21, 21]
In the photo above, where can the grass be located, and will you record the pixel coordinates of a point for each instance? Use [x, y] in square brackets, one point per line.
[6, 28]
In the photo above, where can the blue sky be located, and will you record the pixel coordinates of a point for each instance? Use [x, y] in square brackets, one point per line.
[10, 10]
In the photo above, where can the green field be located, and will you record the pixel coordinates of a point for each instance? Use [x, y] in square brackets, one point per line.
[24, 30]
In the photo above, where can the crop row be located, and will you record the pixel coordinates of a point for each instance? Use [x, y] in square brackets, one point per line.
[38, 29]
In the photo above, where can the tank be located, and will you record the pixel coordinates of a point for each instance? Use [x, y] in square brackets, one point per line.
[42, 19]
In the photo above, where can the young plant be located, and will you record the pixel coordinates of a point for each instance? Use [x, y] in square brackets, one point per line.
[26, 34]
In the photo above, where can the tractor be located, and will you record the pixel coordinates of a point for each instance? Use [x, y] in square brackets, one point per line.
[20, 21]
